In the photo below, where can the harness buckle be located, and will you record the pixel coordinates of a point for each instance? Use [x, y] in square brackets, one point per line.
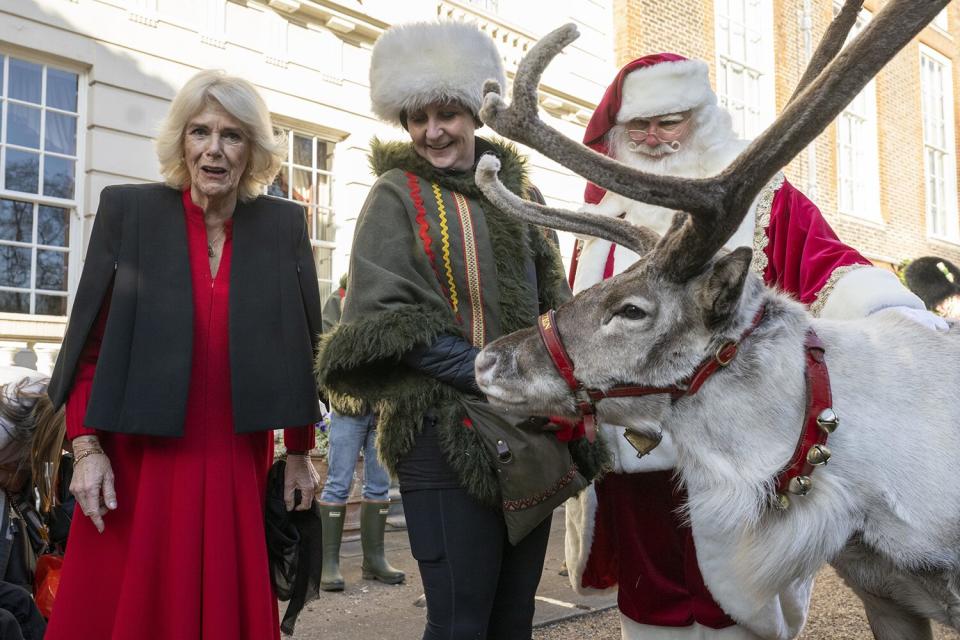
[730, 349]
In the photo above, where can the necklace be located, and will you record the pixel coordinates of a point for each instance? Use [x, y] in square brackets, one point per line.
[211, 251]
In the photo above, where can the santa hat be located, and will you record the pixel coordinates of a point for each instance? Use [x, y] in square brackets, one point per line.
[653, 85]
[933, 279]
[417, 64]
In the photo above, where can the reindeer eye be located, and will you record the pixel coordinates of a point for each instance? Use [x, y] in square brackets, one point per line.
[632, 312]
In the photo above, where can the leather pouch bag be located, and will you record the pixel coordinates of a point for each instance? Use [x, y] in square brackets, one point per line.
[535, 471]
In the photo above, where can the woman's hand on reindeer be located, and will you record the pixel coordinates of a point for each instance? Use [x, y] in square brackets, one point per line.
[300, 475]
[92, 484]
[923, 317]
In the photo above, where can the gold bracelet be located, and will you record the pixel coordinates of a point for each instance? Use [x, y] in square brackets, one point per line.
[86, 453]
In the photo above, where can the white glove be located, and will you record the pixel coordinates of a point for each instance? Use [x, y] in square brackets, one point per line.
[923, 317]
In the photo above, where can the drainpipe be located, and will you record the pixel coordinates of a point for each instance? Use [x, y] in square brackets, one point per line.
[806, 37]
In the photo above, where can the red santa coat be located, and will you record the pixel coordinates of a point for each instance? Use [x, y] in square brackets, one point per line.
[624, 531]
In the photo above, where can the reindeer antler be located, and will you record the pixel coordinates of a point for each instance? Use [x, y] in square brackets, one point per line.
[638, 239]
[716, 206]
[830, 44]
[520, 121]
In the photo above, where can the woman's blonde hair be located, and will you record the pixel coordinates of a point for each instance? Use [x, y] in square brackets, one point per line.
[241, 100]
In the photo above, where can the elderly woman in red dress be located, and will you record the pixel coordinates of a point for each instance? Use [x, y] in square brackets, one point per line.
[191, 337]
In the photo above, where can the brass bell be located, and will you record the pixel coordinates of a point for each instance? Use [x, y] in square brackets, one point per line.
[644, 444]
[781, 501]
[828, 420]
[818, 454]
[800, 485]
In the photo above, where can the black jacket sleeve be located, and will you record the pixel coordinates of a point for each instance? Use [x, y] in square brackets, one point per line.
[99, 268]
[309, 286]
[449, 359]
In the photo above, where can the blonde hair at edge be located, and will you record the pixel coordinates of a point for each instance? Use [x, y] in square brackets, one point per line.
[241, 100]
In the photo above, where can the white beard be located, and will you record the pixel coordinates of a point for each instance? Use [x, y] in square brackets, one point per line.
[682, 163]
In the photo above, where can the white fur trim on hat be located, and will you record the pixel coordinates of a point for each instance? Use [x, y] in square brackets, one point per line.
[667, 87]
[417, 64]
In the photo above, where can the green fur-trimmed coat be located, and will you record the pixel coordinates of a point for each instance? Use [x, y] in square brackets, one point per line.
[408, 285]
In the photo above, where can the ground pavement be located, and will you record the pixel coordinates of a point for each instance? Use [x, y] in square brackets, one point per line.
[369, 610]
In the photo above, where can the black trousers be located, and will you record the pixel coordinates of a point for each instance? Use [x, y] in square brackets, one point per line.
[478, 586]
[19, 616]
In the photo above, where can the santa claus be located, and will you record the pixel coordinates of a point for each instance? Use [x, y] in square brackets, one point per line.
[627, 531]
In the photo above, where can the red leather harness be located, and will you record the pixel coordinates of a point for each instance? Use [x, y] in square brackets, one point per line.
[819, 421]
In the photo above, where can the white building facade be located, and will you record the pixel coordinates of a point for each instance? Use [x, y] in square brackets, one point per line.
[84, 84]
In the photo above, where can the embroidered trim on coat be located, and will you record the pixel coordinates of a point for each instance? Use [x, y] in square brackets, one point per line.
[760, 240]
[472, 265]
[816, 307]
[423, 225]
[519, 504]
[445, 241]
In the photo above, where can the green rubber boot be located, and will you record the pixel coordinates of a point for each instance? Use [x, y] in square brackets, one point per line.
[331, 518]
[373, 520]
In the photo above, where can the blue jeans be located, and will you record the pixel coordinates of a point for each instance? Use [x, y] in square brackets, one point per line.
[348, 436]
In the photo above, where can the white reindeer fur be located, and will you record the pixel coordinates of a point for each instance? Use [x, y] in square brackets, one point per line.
[894, 457]
[890, 480]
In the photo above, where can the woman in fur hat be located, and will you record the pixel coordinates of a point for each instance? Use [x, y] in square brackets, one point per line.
[436, 272]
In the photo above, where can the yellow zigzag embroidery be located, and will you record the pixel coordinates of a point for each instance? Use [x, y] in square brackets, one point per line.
[445, 239]
[472, 264]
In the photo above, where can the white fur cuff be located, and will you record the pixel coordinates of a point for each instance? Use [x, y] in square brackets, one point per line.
[861, 291]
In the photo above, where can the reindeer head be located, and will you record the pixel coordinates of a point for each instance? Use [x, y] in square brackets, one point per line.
[642, 327]
[655, 322]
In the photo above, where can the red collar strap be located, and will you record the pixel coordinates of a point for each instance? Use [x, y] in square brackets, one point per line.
[819, 422]
[586, 398]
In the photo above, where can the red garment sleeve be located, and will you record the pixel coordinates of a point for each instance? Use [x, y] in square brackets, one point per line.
[299, 438]
[79, 394]
[802, 250]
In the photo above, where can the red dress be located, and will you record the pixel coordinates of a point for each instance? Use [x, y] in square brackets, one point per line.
[184, 554]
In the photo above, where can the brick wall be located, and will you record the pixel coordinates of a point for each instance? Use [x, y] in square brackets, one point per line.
[687, 27]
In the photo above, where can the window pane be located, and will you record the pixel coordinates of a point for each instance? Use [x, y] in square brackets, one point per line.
[53, 226]
[25, 80]
[58, 177]
[14, 266]
[13, 302]
[23, 126]
[51, 270]
[323, 160]
[302, 150]
[302, 186]
[1, 75]
[279, 186]
[324, 259]
[61, 89]
[16, 221]
[51, 305]
[23, 171]
[60, 135]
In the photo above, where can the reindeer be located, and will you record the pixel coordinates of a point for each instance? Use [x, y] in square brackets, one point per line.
[886, 511]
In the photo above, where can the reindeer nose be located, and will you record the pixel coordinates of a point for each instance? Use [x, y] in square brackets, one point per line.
[484, 365]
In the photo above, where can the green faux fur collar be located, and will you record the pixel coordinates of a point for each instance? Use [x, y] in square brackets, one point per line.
[386, 155]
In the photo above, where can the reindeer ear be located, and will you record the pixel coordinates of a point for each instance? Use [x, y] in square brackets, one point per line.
[721, 287]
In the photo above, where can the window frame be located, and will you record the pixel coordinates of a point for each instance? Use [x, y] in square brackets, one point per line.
[866, 161]
[329, 210]
[75, 242]
[765, 70]
[947, 153]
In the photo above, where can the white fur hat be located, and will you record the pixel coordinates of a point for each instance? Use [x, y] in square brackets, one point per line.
[665, 86]
[416, 64]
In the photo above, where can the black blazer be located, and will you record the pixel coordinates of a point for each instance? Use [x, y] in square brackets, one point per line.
[139, 244]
